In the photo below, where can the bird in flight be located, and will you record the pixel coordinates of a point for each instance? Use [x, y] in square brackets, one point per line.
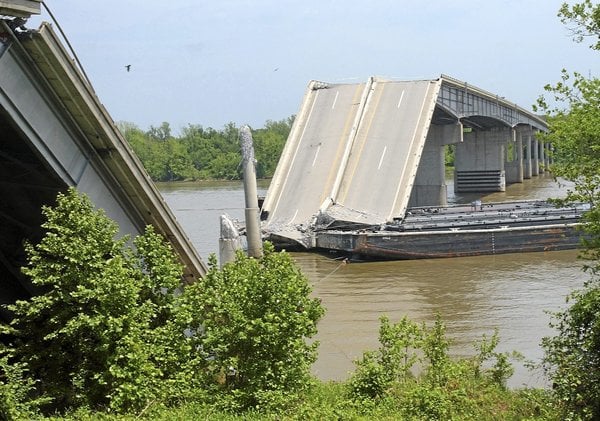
[128, 67]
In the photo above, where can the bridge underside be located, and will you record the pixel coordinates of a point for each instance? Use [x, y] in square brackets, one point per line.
[55, 133]
[361, 154]
[23, 175]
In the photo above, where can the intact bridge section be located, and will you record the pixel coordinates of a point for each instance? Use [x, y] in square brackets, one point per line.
[55, 133]
[361, 154]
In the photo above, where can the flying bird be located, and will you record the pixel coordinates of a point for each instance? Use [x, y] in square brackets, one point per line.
[128, 67]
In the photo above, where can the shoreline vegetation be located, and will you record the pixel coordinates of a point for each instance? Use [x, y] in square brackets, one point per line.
[204, 154]
[207, 154]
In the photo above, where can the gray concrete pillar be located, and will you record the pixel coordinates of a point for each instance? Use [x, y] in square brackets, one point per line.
[547, 156]
[513, 165]
[542, 156]
[479, 161]
[535, 161]
[429, 188]
[526, 134]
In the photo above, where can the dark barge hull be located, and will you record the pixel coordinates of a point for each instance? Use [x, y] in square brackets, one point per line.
[386, 245]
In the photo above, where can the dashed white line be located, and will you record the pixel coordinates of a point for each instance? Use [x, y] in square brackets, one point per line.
[381, 159]
[400, 100]
[316, 155]
[293, 217]
[335, 100]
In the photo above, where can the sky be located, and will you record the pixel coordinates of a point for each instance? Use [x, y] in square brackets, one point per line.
[214, 62]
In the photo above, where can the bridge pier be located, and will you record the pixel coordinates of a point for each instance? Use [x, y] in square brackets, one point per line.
[430, 187]
[479, 161]
[542, 156]
[526, 135]
[513, 165]
[547, 158]
[535, 160]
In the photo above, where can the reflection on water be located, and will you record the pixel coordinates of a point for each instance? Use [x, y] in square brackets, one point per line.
[474, 295]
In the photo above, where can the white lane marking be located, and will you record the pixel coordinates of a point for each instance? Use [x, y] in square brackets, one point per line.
[335, 100]
[381, 159]
[400, 100]
[316, 155]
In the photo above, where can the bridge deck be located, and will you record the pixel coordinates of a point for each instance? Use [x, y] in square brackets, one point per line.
[356, 147]
[354, 150]
[54, 127]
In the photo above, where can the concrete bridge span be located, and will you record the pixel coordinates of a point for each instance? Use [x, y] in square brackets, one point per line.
[55, 133]
[363, 153]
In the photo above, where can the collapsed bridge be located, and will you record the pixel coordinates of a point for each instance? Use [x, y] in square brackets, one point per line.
[364, 153]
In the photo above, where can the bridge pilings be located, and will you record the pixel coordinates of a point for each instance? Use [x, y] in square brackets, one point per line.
[514, 158]
[430, 188]
[526, 135]
[479, 161]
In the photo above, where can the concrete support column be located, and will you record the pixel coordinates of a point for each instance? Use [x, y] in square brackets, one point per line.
[479, 161]
[526, 134]
[547, 149]
[542, 156]
[430, 187]
[535, 161]
[513, 165]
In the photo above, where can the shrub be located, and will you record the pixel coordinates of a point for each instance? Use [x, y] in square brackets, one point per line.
[572, 357]
[446, 389]
[393, 360]
[251, 322]
[17, 399]
[100, 331]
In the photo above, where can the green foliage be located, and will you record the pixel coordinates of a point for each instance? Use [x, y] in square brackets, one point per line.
[204, 153]
[583, 19]
[97, 333]
[253, 318]
[17, 401]
[572, 358]
[112, 328]
[446, 389]
[376, 371]
[449, 155]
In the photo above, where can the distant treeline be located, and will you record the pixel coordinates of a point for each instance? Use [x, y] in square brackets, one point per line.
[208, 154]
[200, 153]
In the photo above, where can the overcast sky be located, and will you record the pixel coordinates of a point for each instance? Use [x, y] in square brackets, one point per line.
[211, 62]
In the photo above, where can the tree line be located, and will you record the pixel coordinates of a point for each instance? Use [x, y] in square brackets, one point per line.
[200, 153]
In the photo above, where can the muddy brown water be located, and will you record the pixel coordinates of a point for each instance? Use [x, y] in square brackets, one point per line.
[512, 293]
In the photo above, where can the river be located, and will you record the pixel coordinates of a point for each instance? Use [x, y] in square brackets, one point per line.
[473, 295]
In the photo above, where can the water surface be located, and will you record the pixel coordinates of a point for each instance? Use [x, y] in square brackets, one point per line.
[474, 295]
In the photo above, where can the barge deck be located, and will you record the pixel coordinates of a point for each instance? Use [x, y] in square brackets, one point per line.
[455, 231]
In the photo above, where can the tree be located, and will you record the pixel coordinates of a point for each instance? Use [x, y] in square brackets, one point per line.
[268, 143]
[204, 153]
[583, 20]
[252, 320]
[572, 357]
[98, 333]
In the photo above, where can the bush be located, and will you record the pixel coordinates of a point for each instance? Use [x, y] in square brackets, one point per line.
[100, 330]
[446, 389]
[572, 357]
[17, 399]
[252, 320]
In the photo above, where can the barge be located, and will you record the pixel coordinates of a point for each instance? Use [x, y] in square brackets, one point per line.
[452, 231]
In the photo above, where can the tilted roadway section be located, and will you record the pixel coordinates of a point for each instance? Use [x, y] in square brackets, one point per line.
[354, 149]
[55, 133]
[345, 156]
